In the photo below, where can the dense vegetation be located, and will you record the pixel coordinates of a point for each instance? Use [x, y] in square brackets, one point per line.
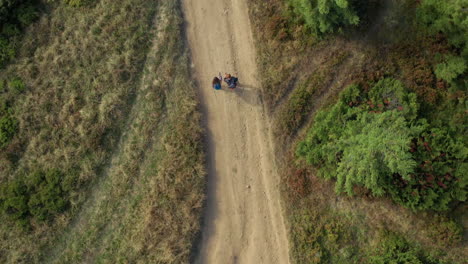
[322, 16]
[447, 17]
[397, 130]
[40, 195]
[380, 138]
[377, 140]
[8, 125]
[396, 249]
[15, 16]
[9, 92]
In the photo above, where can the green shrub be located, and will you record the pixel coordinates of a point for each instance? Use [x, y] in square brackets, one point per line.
[48, 198]
[40, 195]
[440, 176]
[8, 128]
[17, 85]
[394, 250]
[6, 7]
[7, 51]
[451, 68]
[14, 199]
[448, 17]
[10, 30]
[26, 15]
[376, 140]
[15, 15]
[76, 3]
[323, 16]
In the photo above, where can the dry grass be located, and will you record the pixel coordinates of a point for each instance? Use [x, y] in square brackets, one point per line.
[109, 96]
[299, 76]
[307, 96]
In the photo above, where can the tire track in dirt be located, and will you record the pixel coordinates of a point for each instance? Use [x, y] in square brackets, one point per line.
[243, 219]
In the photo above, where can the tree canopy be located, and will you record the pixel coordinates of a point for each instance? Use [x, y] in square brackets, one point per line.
[376, 140]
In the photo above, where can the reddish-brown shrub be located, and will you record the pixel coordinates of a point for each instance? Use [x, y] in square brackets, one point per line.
[298, 183]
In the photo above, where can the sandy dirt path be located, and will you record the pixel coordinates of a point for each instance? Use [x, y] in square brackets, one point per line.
[243, 220]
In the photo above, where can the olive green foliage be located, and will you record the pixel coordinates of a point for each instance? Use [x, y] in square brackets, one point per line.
[17, 85]
[448, 17]
[7, 50]
[451, 68]
[441, 176]
[375, 139]
[74, 3]
[393, 249]
[320, 236]
[77, 3]
[8, 121]
[15, 15]
[8, 128]
[6, 6]
[323, 16]
[40, 195]
[8, 124]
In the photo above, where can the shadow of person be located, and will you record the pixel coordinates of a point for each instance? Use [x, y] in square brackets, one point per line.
[249, 94]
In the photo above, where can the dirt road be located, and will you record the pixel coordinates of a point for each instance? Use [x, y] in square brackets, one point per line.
[243, 220]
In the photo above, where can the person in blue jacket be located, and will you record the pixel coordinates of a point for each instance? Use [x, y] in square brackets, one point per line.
[230, 80]
[216, 83]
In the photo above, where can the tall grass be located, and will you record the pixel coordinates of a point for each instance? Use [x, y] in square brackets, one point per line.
[109, 96]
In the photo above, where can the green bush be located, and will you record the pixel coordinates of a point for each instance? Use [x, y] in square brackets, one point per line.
[77, 3]
[26, 15]
[323, 16]
[6, 7]
[394, 250]
[451, 68]
[15, 15]
[441, 176]
[7, 51]
[40, 195]
[14, 199]
[376, 140]
[48, 197]
[8, 128]
[448, 17]
[17, 85]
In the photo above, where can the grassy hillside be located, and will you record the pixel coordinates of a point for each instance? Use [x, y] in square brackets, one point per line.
[104, 162]
[375, 172]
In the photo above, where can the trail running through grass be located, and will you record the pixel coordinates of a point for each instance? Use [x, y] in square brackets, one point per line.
[243, 221]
